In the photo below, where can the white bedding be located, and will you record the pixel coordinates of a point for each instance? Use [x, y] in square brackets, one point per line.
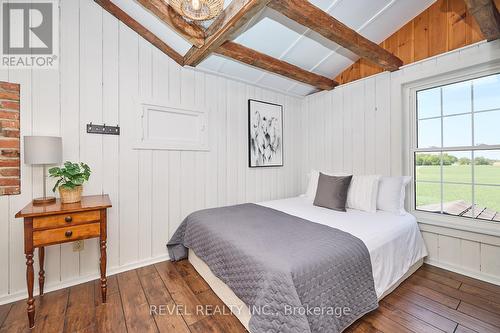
[394, 241]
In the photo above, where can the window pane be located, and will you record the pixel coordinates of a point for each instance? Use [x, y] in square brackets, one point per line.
[428, 167]
[429, 133]
[457, 98]
[457, 131]
[456, 198]
[428, 197]
[486, 128]
[487, 167]
[429, 103]
[487, 197]
[457, 167]
[460, 115]
[486, 96]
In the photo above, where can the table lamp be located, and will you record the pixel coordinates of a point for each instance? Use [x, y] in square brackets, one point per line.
[43, 150]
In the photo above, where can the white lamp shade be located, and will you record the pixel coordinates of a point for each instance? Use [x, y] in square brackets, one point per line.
[42, 150]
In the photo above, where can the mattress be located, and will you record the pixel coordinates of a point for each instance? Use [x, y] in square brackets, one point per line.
[394, 241]
[238, 307]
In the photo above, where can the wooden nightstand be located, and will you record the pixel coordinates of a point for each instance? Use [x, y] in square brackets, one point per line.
[60, 223]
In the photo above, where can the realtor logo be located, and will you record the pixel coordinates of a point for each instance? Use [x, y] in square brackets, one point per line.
[29, 34]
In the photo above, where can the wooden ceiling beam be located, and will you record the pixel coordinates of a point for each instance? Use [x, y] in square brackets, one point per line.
[486, 14]
[310, 16]
[225, 27]
[140, 29]
[190, 31]
[263, 61]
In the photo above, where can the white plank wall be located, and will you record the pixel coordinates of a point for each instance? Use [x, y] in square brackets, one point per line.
[347, 128]
[360, 128]
[106, 70]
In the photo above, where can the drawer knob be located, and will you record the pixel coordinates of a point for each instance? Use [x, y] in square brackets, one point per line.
[68, 219]
[68, 233]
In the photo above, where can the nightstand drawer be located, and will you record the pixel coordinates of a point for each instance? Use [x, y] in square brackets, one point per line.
[66, 234]
[63, 220]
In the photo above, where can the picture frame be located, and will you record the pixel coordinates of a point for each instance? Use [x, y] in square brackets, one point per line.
[265, 134]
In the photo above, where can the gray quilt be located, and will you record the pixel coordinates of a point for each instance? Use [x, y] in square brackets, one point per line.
[293, 274]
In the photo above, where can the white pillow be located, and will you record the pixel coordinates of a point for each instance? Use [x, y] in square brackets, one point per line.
[362, 194]
[391, 194]
[312, 186]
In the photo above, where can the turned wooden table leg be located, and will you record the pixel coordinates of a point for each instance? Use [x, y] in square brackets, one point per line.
[41, 274]
[104, 280]
[30, 276]
[102, 243]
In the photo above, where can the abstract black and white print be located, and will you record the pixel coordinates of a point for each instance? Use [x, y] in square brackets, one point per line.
[265, 134]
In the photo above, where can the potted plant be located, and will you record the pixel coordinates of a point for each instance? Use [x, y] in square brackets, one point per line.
[70, 179]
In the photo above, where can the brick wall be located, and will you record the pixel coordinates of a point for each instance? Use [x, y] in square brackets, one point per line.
[10, 167]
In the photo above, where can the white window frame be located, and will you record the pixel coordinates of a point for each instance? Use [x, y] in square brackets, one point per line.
[410, 93]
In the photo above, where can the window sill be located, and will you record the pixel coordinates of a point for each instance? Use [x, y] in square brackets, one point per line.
[458, 223]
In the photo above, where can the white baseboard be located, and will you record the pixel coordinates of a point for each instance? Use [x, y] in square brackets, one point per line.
[464, 271]
[22, 294]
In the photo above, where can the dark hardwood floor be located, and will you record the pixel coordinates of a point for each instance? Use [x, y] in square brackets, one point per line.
[431, 301]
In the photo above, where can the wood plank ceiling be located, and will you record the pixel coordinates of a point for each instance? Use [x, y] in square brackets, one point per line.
[271, 39]
[445, 26]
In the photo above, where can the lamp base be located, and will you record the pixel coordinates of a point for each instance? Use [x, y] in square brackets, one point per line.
[44, 201]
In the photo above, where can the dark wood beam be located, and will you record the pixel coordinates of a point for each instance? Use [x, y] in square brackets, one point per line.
[190, 31]
[487, 16]
[225, 27]
[310, 16]
[253, 58]
[140, 29]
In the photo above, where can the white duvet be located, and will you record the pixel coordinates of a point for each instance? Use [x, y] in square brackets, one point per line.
[394, 241]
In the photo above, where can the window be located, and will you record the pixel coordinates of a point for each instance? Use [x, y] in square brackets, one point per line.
[456, 154]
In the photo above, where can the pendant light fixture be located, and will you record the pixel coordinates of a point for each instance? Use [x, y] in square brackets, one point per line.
[197, 10]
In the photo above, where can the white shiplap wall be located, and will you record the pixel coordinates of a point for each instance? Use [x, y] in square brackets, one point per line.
[347, 128]
[361, 128]
[106, 70]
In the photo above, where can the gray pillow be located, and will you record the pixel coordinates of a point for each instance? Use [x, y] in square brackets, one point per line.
[332, 192]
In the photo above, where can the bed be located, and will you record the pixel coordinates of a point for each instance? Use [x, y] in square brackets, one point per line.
[394, 244]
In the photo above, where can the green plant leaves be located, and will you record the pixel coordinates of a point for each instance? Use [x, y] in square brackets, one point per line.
[78, 180]
[70, 175]
[55, 172]
[68, 186]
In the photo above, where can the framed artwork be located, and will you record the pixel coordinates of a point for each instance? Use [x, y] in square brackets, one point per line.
[10, 165]
[265, 134]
